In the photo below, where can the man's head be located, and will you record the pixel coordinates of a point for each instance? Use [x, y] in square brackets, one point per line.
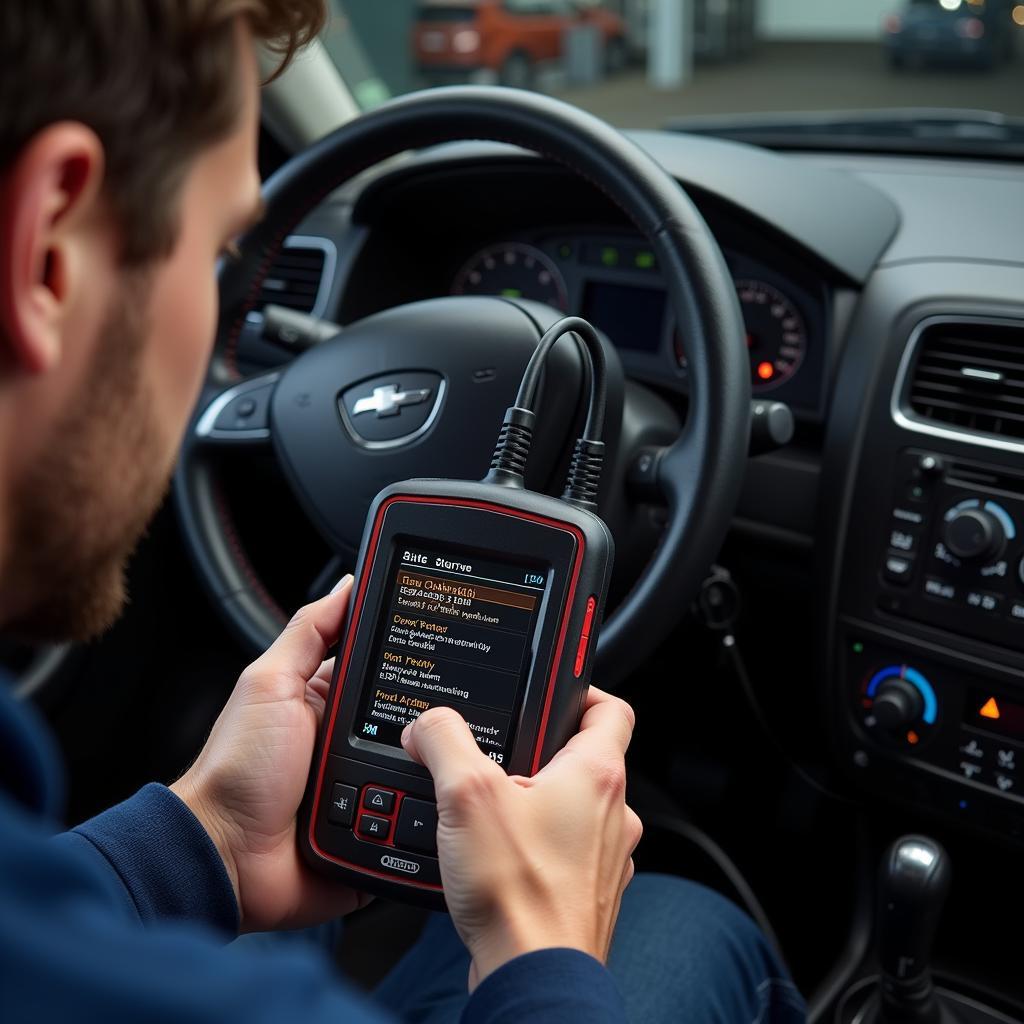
[128, 140]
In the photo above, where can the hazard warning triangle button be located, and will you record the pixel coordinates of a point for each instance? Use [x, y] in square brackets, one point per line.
[990, 709]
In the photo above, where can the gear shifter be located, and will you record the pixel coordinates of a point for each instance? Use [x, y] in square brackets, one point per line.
[912, 886]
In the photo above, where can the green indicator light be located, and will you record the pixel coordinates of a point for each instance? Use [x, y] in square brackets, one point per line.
[565, 251]
[610, 256]
[644, 259]
[858, 648]
[511, 293]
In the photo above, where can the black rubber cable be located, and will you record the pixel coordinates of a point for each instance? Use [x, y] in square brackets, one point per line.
[699, 838]
[594, 426]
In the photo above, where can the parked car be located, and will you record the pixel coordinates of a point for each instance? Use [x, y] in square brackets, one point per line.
[506, 40]
[976, 32]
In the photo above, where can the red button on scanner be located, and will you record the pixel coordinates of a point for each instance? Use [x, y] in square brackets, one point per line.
[581, 650]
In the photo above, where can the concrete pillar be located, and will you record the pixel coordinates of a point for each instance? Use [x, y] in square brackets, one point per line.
[670, 43]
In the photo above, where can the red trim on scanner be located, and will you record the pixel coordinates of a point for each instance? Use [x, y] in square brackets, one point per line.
[371, 551]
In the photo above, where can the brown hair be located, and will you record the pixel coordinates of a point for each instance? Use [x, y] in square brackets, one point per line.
[155, 79]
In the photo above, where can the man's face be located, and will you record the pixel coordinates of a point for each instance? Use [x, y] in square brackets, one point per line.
[77, 512]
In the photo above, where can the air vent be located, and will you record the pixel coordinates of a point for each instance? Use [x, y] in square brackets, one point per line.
[300, 276]
[968, 377]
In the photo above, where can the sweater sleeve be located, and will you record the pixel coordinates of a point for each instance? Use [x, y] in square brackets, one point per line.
[164, 863]
[551, 986]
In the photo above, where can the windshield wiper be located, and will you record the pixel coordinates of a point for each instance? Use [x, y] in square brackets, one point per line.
[917, 130]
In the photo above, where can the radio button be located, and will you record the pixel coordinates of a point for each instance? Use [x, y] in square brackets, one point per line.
[904, 541]
[374, 828]
[940, 589]
[381, 801]
[908, 515]
[897, 569]
[984, 601]
[343, 805]
[417, 826]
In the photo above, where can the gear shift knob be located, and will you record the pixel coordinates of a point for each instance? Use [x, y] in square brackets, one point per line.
[913, 883]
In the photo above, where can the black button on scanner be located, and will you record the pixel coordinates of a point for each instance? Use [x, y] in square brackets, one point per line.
[417, 826]
[380, 800]
[343, 805]
[373, 827]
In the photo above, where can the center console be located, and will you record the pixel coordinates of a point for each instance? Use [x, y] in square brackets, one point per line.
[927, 651]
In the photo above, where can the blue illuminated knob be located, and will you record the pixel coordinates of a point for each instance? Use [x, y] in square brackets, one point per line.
[901, 697]
[974, 533]
[898, 705]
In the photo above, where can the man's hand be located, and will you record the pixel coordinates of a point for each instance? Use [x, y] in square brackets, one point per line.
[246, 785]
[535, 863]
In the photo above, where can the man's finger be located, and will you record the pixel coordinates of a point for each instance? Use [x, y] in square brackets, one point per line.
[606, 727]
[442, 742]
[303, 643]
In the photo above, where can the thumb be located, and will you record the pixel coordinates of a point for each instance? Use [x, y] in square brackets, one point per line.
[442, 742]
[303, 643]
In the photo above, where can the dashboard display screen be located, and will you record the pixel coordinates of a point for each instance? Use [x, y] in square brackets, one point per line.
[632, 316]
[457, 630]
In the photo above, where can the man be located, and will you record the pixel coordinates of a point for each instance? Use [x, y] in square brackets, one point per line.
[127, 165]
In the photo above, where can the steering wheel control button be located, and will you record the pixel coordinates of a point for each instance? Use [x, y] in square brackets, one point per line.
[343, 805]
[246, 412]
[417, 826]
[372, 827]
[239, 413]
[380, 801]
[898, 569]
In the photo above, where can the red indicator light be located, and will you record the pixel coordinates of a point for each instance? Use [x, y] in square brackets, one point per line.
[912, 737]
[765, 370]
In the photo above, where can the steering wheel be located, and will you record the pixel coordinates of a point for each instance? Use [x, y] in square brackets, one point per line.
[461, 359]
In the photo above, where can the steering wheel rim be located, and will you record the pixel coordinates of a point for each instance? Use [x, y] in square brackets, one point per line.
[700, 474]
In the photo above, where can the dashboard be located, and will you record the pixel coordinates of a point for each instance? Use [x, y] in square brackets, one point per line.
[612, 280]
[429, 235]
[877, 292]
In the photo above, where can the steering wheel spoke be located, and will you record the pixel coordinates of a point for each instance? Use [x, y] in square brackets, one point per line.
[239, 415]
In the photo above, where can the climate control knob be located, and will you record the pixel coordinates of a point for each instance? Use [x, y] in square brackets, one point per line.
[975, 535]
[898, 705]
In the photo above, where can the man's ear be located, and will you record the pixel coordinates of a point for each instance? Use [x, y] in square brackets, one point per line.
[49, 199]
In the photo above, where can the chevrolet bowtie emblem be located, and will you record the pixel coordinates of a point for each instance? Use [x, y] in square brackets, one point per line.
[388, 400]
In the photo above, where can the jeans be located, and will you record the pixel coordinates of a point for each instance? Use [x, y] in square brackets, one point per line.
[680, 953]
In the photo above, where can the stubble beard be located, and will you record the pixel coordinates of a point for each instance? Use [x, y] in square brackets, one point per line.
[80, 512]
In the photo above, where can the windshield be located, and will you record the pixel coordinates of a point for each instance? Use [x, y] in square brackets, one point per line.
[717, 65]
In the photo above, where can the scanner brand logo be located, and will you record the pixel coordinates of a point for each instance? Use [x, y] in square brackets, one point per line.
[388, 400]
[410, 867]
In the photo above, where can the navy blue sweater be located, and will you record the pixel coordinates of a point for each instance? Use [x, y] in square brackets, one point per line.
[127, 918]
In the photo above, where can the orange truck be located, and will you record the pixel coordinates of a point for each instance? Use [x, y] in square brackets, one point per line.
[506, 40]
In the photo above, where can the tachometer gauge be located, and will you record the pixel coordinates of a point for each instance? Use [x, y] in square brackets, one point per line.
[776, 335]
[515, 271]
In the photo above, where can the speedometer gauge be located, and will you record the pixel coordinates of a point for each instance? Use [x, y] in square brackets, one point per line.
[514, 271]
[776, 335]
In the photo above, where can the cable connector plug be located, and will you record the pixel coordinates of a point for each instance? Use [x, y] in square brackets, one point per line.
[584, 478]
[508, 464]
